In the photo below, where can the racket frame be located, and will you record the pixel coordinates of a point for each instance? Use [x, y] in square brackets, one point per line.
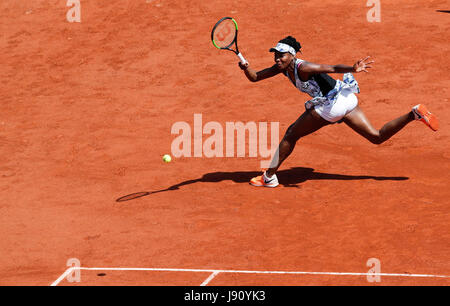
[241, 57]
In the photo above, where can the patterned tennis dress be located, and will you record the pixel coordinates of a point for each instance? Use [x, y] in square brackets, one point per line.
[332, 99]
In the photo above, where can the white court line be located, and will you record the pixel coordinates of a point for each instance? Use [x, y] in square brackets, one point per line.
[63, 276]
[210, 278]
[215, 272]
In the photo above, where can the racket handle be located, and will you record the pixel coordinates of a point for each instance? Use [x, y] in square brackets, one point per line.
[243, 61]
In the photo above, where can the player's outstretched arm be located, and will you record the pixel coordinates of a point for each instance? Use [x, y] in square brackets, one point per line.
[255, 76]
[359, 66]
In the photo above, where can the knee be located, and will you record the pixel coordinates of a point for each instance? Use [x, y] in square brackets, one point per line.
[290, 135]
[376, 138]
[377, 141]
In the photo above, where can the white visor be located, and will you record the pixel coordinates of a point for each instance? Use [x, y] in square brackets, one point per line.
[283, 48]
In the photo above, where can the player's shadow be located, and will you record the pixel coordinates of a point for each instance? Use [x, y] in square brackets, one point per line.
[288, 178]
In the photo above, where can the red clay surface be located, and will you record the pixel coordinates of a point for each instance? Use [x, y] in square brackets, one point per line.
[87, 110]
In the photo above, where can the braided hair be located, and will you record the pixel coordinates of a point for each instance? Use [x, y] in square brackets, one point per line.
[291, 41]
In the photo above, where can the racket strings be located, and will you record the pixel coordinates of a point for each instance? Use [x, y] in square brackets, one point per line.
[224, 33]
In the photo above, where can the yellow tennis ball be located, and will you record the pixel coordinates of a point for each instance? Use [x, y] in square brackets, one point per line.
[167, 158]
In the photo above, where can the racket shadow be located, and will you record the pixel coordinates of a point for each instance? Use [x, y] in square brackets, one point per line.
[288, 178]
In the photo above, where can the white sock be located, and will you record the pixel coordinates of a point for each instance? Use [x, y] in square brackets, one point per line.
[266, 177]
[416, 115]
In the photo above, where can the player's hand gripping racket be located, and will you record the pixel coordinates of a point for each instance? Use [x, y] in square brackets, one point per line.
[224, 35]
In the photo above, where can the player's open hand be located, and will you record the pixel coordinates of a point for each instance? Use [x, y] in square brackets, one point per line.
[363, 65]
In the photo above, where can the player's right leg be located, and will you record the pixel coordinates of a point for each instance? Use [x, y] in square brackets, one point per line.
[306, 124]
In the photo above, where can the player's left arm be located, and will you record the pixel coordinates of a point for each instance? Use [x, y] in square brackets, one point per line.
[311, 68]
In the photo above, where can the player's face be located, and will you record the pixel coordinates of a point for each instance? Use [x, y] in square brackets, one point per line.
[282, 60]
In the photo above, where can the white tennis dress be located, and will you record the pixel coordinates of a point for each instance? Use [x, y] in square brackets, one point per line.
[331, 99]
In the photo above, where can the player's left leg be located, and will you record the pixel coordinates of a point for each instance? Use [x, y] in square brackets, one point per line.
[358, 121]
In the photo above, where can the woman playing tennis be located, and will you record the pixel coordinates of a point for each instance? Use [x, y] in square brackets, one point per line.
[333, 101]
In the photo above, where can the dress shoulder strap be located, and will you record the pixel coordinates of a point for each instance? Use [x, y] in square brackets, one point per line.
[298, 62]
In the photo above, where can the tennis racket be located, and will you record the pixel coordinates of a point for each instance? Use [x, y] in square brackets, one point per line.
[224, 35]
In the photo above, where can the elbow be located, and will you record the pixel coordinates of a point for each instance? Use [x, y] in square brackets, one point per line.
[333, 69]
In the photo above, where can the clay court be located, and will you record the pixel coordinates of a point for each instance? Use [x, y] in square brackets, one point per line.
[86, 116]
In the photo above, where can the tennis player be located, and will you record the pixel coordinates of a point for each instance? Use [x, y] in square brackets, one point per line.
[333, 101]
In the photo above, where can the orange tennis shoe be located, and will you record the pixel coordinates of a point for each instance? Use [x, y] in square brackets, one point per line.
[264, 181]
[421, 113]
